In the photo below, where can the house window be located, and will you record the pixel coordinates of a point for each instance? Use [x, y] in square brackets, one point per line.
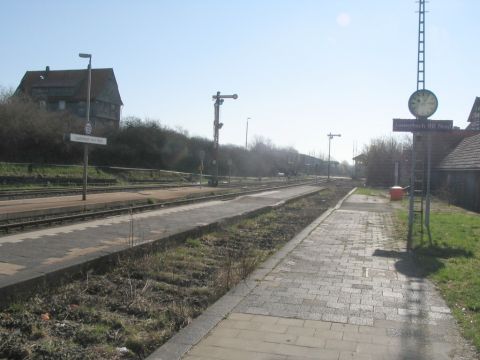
[81, 108]
[62, 105]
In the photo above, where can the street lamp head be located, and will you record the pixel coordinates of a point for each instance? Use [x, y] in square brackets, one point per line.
[83, 55]
[218, 96]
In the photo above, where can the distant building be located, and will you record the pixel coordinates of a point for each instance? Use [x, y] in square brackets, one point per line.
[66, 90]
[459, 174]
[474, 118]
[456, 174]
[359, 166]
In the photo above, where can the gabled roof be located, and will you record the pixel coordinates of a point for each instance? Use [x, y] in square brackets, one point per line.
[466, 156]
[76, 80]
[361, 158]
[474, 117]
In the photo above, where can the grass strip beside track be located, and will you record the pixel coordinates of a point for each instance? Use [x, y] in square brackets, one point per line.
[451, 259]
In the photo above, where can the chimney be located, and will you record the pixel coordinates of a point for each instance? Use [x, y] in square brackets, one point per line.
[47, 70]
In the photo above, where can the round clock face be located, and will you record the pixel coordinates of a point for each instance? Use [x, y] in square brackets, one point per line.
[423, 103]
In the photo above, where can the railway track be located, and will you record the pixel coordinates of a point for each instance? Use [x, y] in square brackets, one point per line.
[66, 191]
[14, 225]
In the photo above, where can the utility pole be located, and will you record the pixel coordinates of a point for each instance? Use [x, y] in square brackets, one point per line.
[88, 126]
[201, 154]
[246, 135]
[230, 162]
[330, 137]
[217, 125]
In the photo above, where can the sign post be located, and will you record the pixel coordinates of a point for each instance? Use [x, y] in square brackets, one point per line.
[86, 139]
[201, 155]
[417, 126]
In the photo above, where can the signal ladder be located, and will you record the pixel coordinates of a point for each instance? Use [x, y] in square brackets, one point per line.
[421, 46]
[418, 183]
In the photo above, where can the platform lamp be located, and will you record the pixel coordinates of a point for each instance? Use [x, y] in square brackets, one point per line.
[88, 126]
[246, 135]
[330, 137]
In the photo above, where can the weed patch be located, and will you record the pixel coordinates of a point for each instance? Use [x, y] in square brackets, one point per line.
[370, 191]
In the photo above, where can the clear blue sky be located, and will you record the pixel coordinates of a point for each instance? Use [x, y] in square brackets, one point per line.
[301, 68]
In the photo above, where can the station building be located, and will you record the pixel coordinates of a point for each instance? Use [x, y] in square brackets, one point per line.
[66, 90]
[457, 175]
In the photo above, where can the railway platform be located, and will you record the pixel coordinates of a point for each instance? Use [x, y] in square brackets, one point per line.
[342, 289]
[24, 208]
[38, 259]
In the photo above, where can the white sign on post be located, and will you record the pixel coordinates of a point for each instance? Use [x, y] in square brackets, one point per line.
[88, 129]
[88, 139]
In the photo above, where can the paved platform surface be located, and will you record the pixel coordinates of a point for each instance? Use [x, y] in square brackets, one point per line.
[343, 289]
[33, 254]
[15, 208]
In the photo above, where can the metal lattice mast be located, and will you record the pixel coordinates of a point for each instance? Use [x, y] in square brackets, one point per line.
[418, 174]
[421, 46]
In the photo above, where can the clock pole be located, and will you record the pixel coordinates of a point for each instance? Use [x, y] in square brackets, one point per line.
[422, 104]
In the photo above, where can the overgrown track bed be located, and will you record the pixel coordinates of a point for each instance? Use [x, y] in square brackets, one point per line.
[128, 312]
[44, 221]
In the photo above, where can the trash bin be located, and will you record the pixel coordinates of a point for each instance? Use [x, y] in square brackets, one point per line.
[396, 193]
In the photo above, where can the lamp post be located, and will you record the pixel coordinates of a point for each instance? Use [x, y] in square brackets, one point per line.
[330, 137]
[217, 125]
[202, 157]
[246, 135]
[229, 162]
[88, 126]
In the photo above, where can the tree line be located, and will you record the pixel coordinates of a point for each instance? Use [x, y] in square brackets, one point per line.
[31, 134]
[381, 156]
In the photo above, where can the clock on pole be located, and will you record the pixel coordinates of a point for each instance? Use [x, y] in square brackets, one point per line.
[423, 103]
